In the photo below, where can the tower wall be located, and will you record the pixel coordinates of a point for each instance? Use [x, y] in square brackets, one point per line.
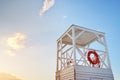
[84, 73]
[92, 73]
[66, 74]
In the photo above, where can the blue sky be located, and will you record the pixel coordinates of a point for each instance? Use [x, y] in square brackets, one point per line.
[38, 59]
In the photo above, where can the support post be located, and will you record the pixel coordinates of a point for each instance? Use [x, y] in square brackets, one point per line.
[106, 49]
[57, 55]
[74, 44]
[61, 53]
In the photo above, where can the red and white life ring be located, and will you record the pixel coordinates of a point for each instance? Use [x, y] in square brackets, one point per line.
[95, 60]
[70, 62]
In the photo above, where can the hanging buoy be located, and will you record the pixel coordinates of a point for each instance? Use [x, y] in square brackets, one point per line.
[95, 60]
[70, 62]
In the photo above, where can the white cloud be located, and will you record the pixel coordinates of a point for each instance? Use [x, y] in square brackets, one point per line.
[11, 53]
[15, 43]
[8, 76]
[64, 17]
[46, 6]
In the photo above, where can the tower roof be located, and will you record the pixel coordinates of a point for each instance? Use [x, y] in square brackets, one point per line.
[83, 35]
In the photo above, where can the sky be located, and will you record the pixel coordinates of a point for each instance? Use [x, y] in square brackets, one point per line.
[29, 30]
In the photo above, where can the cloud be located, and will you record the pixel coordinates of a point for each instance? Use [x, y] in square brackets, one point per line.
[15, 43]
[47, 4]
[11, 52]
[64, 17]
[7, 76]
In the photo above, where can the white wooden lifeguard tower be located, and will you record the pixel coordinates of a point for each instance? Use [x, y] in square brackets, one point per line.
[82, 54]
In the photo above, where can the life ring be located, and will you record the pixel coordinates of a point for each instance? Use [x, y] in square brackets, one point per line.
[69, 62]
[95, 60]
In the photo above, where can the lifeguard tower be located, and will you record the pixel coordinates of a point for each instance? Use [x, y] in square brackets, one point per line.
[82, 54]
